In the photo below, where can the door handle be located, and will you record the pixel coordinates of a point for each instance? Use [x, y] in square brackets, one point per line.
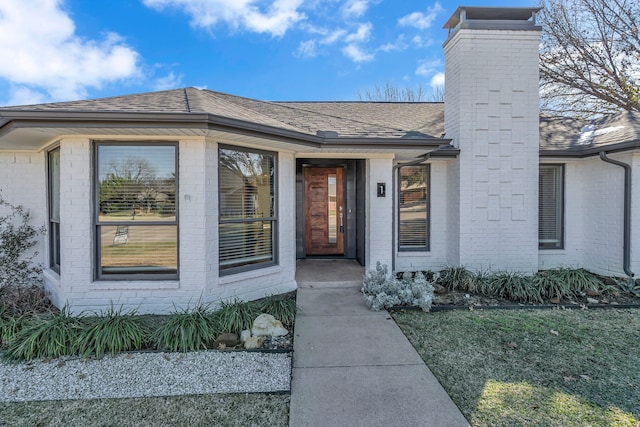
[341, 221]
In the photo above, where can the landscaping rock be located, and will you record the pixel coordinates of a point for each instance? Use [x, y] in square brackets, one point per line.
[266, 325]
[253, 342]
[245, 334]
[591, 293]
[226, 340]
[593, 301]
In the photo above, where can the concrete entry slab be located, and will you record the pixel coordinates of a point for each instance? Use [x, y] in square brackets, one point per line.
[331, 302]
[328, 272]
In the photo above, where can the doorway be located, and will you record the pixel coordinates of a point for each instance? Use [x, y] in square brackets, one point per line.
[330, 208]
[324, 210]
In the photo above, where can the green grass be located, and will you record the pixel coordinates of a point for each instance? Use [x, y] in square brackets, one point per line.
[534, 367]
[197, 410]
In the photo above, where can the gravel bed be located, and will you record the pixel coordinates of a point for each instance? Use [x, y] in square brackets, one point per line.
[145, 375]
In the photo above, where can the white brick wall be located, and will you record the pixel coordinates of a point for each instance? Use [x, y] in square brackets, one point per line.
[378, 229]
[22, 182]
[603, 215]
[491, 113]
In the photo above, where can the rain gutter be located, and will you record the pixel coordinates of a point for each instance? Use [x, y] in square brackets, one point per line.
[626, 262]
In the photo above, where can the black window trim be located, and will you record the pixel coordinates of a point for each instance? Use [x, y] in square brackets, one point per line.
[98, 275]
[274, 219]
[427, 247]
[542, 246]
[54, 243]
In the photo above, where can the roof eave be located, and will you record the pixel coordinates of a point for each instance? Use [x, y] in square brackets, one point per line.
[591, 151]
[14, 119]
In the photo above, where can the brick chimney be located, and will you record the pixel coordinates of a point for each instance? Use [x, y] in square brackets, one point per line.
[492, 114]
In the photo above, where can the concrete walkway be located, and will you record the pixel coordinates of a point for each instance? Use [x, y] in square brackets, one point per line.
[354, 367]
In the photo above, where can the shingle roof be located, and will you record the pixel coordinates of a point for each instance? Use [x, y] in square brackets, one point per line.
[348, 119]
[575, 136]
[558, 135]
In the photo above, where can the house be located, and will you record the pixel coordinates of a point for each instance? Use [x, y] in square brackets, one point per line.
[160, 200]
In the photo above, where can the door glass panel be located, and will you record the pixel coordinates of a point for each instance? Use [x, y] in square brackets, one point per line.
[332, 222]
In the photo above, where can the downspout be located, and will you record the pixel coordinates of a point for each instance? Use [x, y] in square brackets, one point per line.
[626, 262]
[417, 161]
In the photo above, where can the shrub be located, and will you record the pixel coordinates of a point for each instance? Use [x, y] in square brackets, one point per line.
[236, 316]
[282, 307]
[457, 278]
[187, 330]
[52, 335]
[17, 237]
[113, 332]
[380, 290]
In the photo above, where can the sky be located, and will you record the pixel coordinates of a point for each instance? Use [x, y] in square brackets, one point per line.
[276, 50]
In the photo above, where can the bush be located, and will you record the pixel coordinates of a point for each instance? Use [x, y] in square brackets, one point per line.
[381, 290]
[282, 307]
[187, 330]
[457, 278]
[52, 335]
[17, 237]
[236, 316]
[113, 332]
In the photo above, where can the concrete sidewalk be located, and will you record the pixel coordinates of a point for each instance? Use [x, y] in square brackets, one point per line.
[354, 367]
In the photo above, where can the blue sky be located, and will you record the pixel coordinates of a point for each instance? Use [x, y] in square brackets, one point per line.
[59, 50]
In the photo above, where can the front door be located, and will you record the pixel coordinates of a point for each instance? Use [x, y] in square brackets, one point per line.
[324, 210]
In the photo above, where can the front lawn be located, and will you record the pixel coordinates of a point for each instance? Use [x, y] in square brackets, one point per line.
[205, 410]
[534, 367]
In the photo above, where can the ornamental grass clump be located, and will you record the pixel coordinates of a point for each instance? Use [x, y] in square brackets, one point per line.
[457, 278]
[282, 307]
[237, 316]
[187, 330]
[112, 332]
[51, 335]
[381, 290]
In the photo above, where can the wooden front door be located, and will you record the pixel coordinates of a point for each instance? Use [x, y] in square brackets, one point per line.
[324, 211]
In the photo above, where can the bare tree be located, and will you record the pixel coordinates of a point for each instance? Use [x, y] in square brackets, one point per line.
[392, 93]
[590, 56]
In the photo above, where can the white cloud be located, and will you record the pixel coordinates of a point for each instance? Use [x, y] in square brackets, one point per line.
[355, 8]
[420, 20]
[238, 14]
[333, 36]
[48, 61]
[428, 67]
[437, 81]
[398, 45]
[170, 81]
[356, 53]
[306, 49]
[361, 35]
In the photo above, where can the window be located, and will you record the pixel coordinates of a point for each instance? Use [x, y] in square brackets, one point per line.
[551, 207]
[247, 225]
[53, 167]
[136, 211]
[413, 206]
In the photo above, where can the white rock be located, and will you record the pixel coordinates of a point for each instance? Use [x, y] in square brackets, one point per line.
[244, 335]
[266, 325]
[592, 301]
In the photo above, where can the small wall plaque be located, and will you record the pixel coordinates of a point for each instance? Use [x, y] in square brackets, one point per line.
[382, 189]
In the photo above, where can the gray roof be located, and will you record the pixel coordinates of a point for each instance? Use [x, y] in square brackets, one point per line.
[391, 122]
[348, 119]
[562, 136]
